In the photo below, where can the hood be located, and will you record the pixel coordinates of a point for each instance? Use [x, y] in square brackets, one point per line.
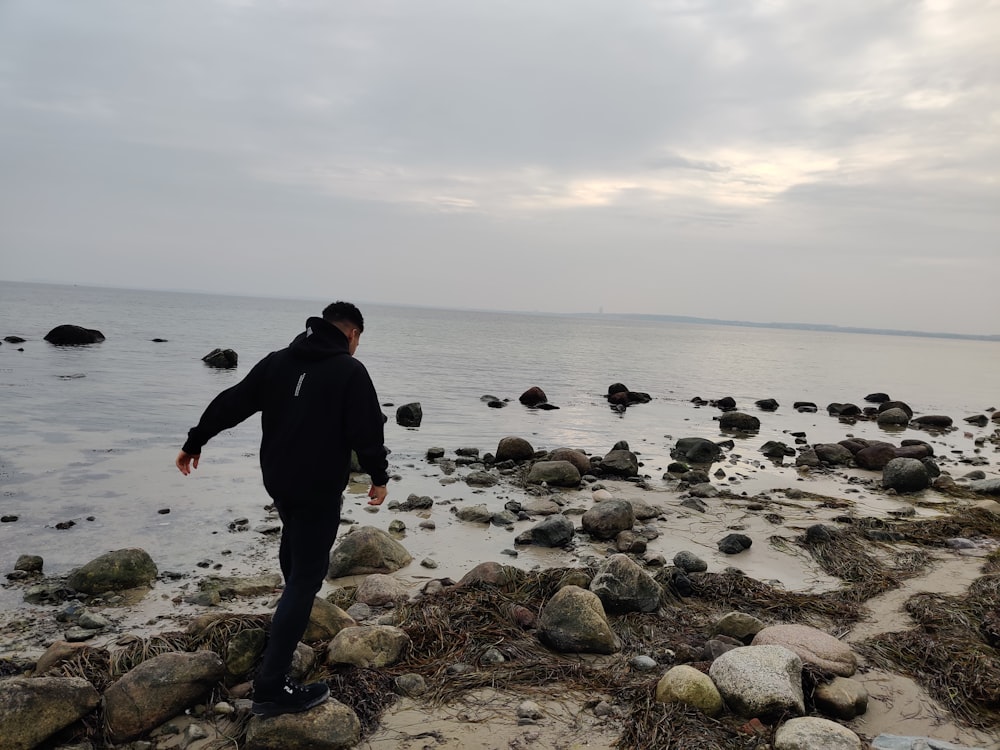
[320, 340]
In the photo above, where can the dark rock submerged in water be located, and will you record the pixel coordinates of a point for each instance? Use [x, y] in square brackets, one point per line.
[224, 359]
[410, 415]
[533, 396]
[72, 335]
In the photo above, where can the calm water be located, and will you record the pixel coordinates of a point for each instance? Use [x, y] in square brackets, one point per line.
[91, 432]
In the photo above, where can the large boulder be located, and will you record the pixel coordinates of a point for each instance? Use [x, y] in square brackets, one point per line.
[367, 550]
[760, 681]
[514, 448]
[114, 571]
[555, 531]
[505, 577]
[607, 518]
[368, 646]
[554, 473]
[33, 709]
[813, 646]
[379, 590]
[71, 335]
[329, 726]
[622, 586]
[574, 621]
[906, 475]
[157, 690]
[325, 621]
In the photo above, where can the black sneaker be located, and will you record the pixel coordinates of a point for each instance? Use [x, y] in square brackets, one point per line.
[291, 698]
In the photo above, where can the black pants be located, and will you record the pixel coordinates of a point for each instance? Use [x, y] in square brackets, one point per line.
[308, 531]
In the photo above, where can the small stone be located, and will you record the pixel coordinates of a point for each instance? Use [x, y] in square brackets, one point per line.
[529, 710]
[643, 663]
[428, 563]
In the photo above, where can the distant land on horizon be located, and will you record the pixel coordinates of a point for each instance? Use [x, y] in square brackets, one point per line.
[791, 326]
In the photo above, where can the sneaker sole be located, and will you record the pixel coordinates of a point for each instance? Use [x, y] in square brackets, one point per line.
[268, 709]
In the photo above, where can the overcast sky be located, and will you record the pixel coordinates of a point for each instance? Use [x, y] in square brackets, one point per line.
[764, 160]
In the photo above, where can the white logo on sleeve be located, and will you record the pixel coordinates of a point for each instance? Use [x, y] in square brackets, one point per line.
[298, 386]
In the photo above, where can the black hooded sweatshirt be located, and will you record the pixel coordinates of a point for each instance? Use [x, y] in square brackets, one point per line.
[317, 403]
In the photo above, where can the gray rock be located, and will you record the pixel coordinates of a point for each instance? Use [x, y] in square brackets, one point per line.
[574, 621]
[622, 463]
[367, 646]
[810, 733]
[514, 449]
[409, 415]
[906, 475]
[29, 563]
[411, 685]
[738, 625]
[899, 742]
[986, 486]
[243, 651]
[554, 473]
[73, 335]
[623, 586]
[158, 689]
[474, 513]
[733, 544]
[606, 519]
[221, 359]
[737, 420]
[329, 726]
[554, 531]
[690, 562]
[367, 550]
[579, 459]
[378, 590]
[892, 418]
[833, 454]
[114, 571]
[35, 708]
[696, 450]
[760, 681]
[481, 479]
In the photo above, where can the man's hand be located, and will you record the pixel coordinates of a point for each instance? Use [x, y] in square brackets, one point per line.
[185, 462]
[377, 494]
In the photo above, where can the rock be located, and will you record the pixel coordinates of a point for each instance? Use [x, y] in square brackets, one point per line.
[807, 457]
[29, 563]
[367, 646]
[541, 507]
[243, 651]
[809, 733]
[221, 359]
[767, 404]
[481, 479]
[687, 685]
[573, 621]
[776, 449]
[57, 653]
[410, 415]
[892, 418]
[529, 710]
[726, 403]
[533, 396]
[733, 544]
[696, 450]
[738, 625]
[378, 590]
[474, 513]
[504, 577]
[898, 742]
[737, 420]
[159, 689]
[833, 454]
[805, 406]
[554, 473]
[877, 398]
[35, 708]
[874, 457]
[979, 420]
[813, 646]
[555, 531]
[367, 550]
[629, 541]
[938, 421]
[411, 685]
[690, 562]
[760, 681]
[906, 475]
[606, 519]
[71, 335]
[514, 449]
[986, 486]
[579, 459]
[843, 410]
[887, 405]
[434, 453]
[114, 571]
[842, 698]
[329, 726]
[236, 586]
[621, 463]
[622, 586]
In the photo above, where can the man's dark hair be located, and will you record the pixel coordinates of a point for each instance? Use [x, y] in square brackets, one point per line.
[344, 312]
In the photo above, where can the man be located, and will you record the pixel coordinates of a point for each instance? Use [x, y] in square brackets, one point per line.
[317, 403]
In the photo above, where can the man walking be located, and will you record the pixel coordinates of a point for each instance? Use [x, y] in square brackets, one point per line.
[317, 403]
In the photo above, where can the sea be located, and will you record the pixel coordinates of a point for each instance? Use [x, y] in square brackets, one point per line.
[89, 434]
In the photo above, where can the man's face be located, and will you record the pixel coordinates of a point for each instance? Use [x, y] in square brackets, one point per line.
[353, 339]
